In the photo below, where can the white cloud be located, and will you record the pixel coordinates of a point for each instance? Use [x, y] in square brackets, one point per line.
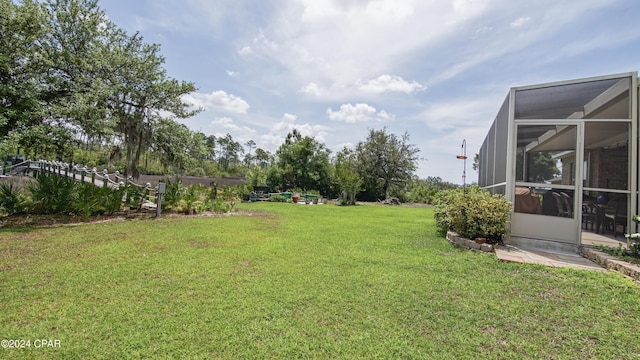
[218, 99]
[228, 124]
[288, 122]
[384, 83]
[225, 122]
[482, 30]
[348, 145]
[389, 10]
[358, 113]
[311, 89]
[520, 22]
[328, 42]
[224, 125]
[245, 50]
[233, 73]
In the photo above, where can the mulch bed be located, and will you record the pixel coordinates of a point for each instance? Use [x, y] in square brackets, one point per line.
[34, 220]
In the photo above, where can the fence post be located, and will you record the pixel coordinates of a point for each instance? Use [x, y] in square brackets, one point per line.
[83, 172]
[161, 191]
[105, 178]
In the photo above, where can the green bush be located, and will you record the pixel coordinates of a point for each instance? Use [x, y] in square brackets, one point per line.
[87, 201]
[91, 200]
[220, 206]
[173, 194]
[473, 214]
[278, 198]
[191, 198]
[12, 201]
[111, 199]
[136, 196]
[196, 172]
[53, 194]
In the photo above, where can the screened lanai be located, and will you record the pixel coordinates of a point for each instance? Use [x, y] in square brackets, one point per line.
[565, 155]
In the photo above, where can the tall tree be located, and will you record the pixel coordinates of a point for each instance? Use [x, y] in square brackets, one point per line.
[66, 69]
[211, 147]
[21, 28]
[138, 93]
[170, 143]
[346, 176]
[304, 163]
[229, 152]
[248, 159]
[385, 160]
[198, 148]
[262, 157]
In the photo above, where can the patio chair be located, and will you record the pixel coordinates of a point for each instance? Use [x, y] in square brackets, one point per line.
[568, 203]
[560, 204]
[590, 214]
[615, 214]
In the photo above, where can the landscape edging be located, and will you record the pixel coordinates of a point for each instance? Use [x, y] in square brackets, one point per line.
[611, 262]
[458, 240]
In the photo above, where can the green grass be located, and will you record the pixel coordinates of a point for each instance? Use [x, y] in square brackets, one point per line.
[295, 281]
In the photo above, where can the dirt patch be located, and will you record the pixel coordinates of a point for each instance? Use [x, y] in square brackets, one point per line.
[35, 221]
[32, 220]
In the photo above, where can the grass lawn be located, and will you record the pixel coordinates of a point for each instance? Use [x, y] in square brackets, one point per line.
[299, 281]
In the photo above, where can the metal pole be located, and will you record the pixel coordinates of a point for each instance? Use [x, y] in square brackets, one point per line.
[464, 170]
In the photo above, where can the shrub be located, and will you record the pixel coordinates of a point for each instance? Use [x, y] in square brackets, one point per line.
[219, 206]
[87, 201]
[53, 194]
[475, 213]
[111, 199]
[136, 195]
[173, 194]
[278, 198]
[12, 201]
[190, 198]
[196, 172]
[92, 200]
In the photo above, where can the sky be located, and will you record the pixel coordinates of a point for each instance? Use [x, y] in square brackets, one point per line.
[437, 70]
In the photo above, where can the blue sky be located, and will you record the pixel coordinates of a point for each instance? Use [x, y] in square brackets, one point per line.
[437, 69]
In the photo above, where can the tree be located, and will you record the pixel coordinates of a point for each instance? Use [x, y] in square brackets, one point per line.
[262, 157]
[248, 159]
[384, 160]
[29, 81]
[21, 27]
[304, 163]
[67, 71]
[171, 143]
[211, 147]
[139, 93]
[198, 148]
[346, 176]
[229, 153]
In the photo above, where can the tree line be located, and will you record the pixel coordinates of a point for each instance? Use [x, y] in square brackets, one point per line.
[76, 87]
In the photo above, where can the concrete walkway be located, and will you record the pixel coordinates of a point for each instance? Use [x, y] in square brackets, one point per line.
[536, 256]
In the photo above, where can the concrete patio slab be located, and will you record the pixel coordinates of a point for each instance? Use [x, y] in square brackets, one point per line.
[535, 256]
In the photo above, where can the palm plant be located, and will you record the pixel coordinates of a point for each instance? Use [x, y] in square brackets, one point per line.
[52, 194]
[12, 201]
